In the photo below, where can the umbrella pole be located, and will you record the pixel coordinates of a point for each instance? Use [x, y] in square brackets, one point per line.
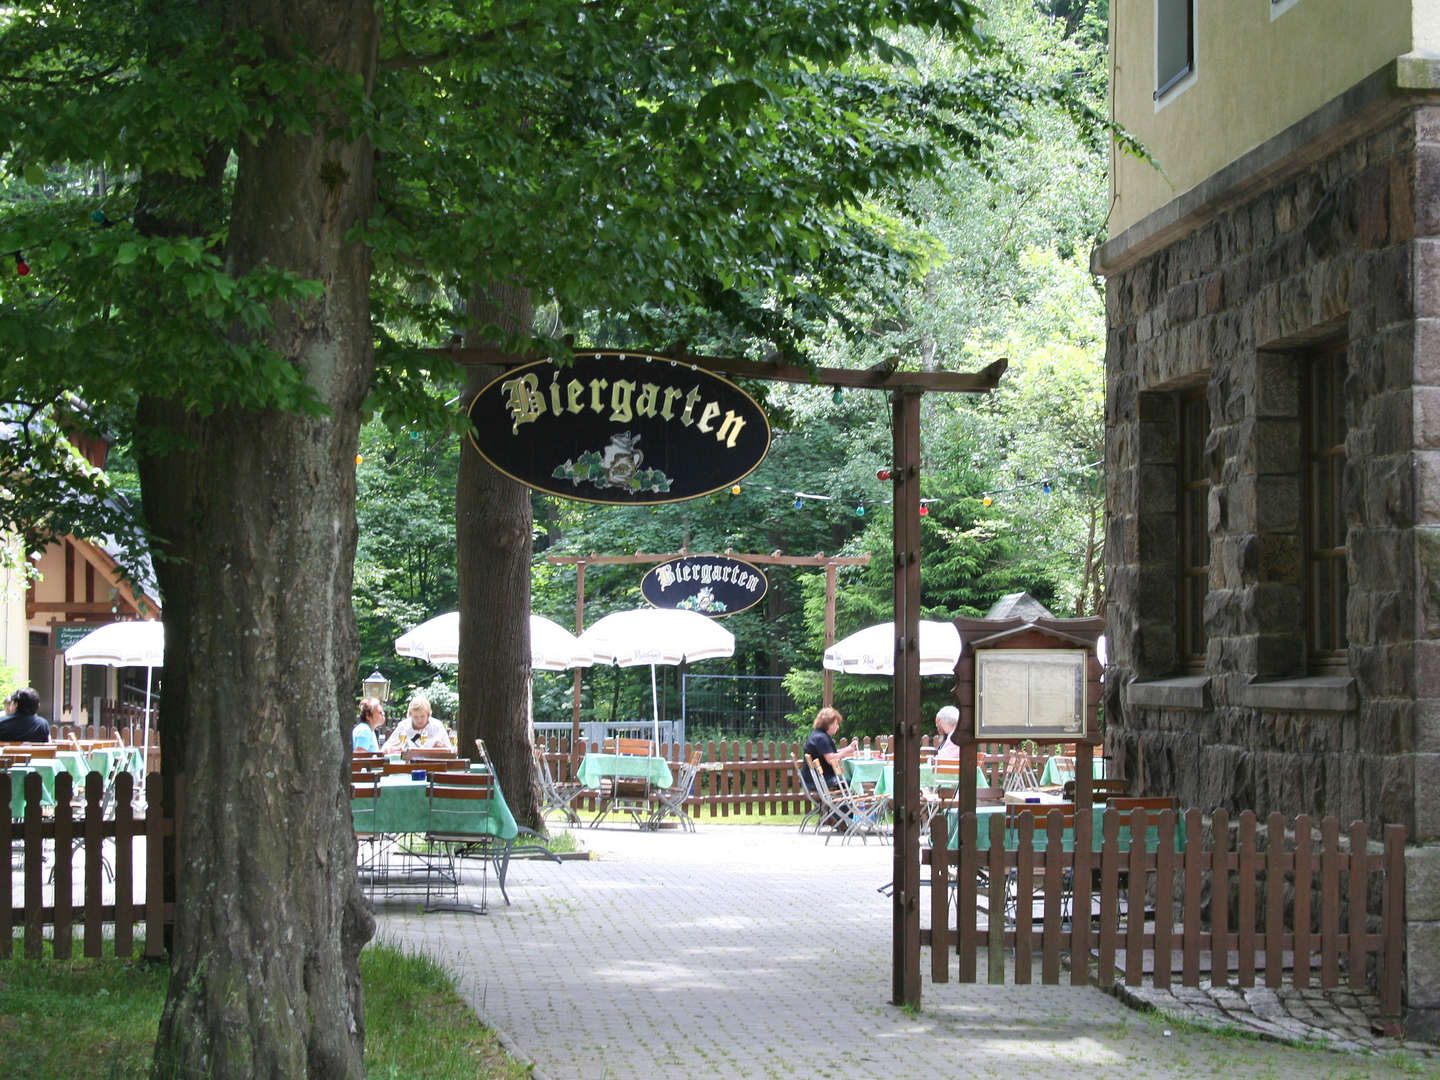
[654, 709]
[145, 766]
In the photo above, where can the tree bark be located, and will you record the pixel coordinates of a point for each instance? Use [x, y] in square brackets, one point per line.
[493, 527]
[269, 920]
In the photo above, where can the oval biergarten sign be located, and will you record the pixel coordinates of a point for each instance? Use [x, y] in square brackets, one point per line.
[619, 428]
[714, 585]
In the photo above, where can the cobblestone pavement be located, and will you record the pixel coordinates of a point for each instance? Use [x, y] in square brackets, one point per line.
[751, 952]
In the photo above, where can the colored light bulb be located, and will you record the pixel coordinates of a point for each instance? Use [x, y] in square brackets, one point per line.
[986, 501]
[735, 490]
[882, 474]
[21, 266]
[924, 511]
[799, 503]
[860, 511]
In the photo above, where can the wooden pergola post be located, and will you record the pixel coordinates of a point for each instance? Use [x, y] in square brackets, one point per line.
[905, 899]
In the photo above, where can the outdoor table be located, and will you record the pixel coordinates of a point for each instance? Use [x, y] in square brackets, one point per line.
[76, 763]
[865, 770]
[1060, 770]
[596, 767]
[129, 758]
[886, 784]
[1067, 840]
[403, 806]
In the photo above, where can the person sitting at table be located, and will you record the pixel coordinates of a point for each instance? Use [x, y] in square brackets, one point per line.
[23, 722]
[419, 730]
[946, 721]
[820, 744]
[372, 716]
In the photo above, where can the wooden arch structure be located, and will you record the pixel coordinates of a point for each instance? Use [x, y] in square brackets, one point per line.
[906, 389]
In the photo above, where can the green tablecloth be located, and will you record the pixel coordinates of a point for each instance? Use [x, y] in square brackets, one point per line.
[597, 767]
[863, 770]
[886, 784]
[404, 807]
[17, 789]
[77, 764]
[1067, 841]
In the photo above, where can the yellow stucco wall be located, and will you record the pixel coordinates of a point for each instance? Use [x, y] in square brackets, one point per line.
[1254, 76]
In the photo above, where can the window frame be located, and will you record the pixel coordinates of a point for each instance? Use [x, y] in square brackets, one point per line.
[1192, 493]
[1322, 484]
[1165, 10]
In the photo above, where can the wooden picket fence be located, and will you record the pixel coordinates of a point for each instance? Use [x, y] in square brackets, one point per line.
[1327, 914]
[106, 844]
[754, 779]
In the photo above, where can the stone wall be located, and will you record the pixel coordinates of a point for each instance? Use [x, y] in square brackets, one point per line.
[1342, 250]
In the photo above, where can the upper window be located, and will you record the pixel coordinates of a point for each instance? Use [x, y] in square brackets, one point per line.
[1194, 547]
[1174, 43]
[1326, 581]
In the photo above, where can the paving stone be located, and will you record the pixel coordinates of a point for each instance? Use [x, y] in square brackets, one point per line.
[755, 953]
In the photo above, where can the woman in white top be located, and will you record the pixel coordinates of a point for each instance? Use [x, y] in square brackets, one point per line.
[418, 731]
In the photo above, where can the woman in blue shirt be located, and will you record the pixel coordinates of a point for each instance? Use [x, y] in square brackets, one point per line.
[372, 715]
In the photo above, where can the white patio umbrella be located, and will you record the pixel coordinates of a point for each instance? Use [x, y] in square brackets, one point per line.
[552, 647]
[872, 651]
[657, 636]
[124, 644]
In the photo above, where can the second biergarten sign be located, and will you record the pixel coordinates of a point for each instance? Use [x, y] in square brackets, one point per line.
[620, 428]
[714, 585]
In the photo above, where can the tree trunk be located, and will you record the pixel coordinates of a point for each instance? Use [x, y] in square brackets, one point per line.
[493, 524]
[269, 920]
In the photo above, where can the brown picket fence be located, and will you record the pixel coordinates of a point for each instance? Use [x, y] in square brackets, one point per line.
[104, 837]
[1324, 913]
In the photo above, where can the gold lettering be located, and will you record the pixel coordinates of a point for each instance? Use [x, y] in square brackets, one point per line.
[690, 399]
[555, 396]
[710, 412]
[645, 405]
[620, 391]
[732, 424]
[573, 391]
[526, 403]
[671, 393]
[597, 387]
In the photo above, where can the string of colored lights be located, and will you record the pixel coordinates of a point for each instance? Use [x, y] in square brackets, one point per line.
[1046, 485]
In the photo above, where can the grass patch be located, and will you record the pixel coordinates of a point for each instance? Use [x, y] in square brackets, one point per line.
[96, 1020]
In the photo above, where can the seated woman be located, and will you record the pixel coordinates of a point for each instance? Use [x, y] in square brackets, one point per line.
[418, 731]
[946, 720]
[372, 716]
[820, 744]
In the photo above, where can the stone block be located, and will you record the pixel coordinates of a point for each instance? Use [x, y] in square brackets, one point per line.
[1277, 385]
[1426, 801]
[1427, 726]
[1392, 289]
[1426, 417]
[1182, 303]
[1275, 608]
[1277, 498]
[1422, 964]
[1401, 198]
[1427, 581]
[1214, 294]
[1425, 256]
[1372, 209]
[1427, 189]
[1392, 416]
[1427, 487]
[1427, 669]
[1426, 360]
[1277, 446]
[1279, 559]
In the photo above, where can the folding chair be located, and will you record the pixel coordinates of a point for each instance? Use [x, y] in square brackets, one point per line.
[454, 799]
[1020, 771]
[483, 756]
[670, 802]
[850, 815]
[807, 785]
[556, 796]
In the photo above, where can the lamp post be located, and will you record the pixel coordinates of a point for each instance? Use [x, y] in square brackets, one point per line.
[376, 686]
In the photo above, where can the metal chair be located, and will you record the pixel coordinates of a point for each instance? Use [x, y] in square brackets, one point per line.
[370, 849]
[627, 794]
[670, 802]
[816, 808]
[556, 796]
